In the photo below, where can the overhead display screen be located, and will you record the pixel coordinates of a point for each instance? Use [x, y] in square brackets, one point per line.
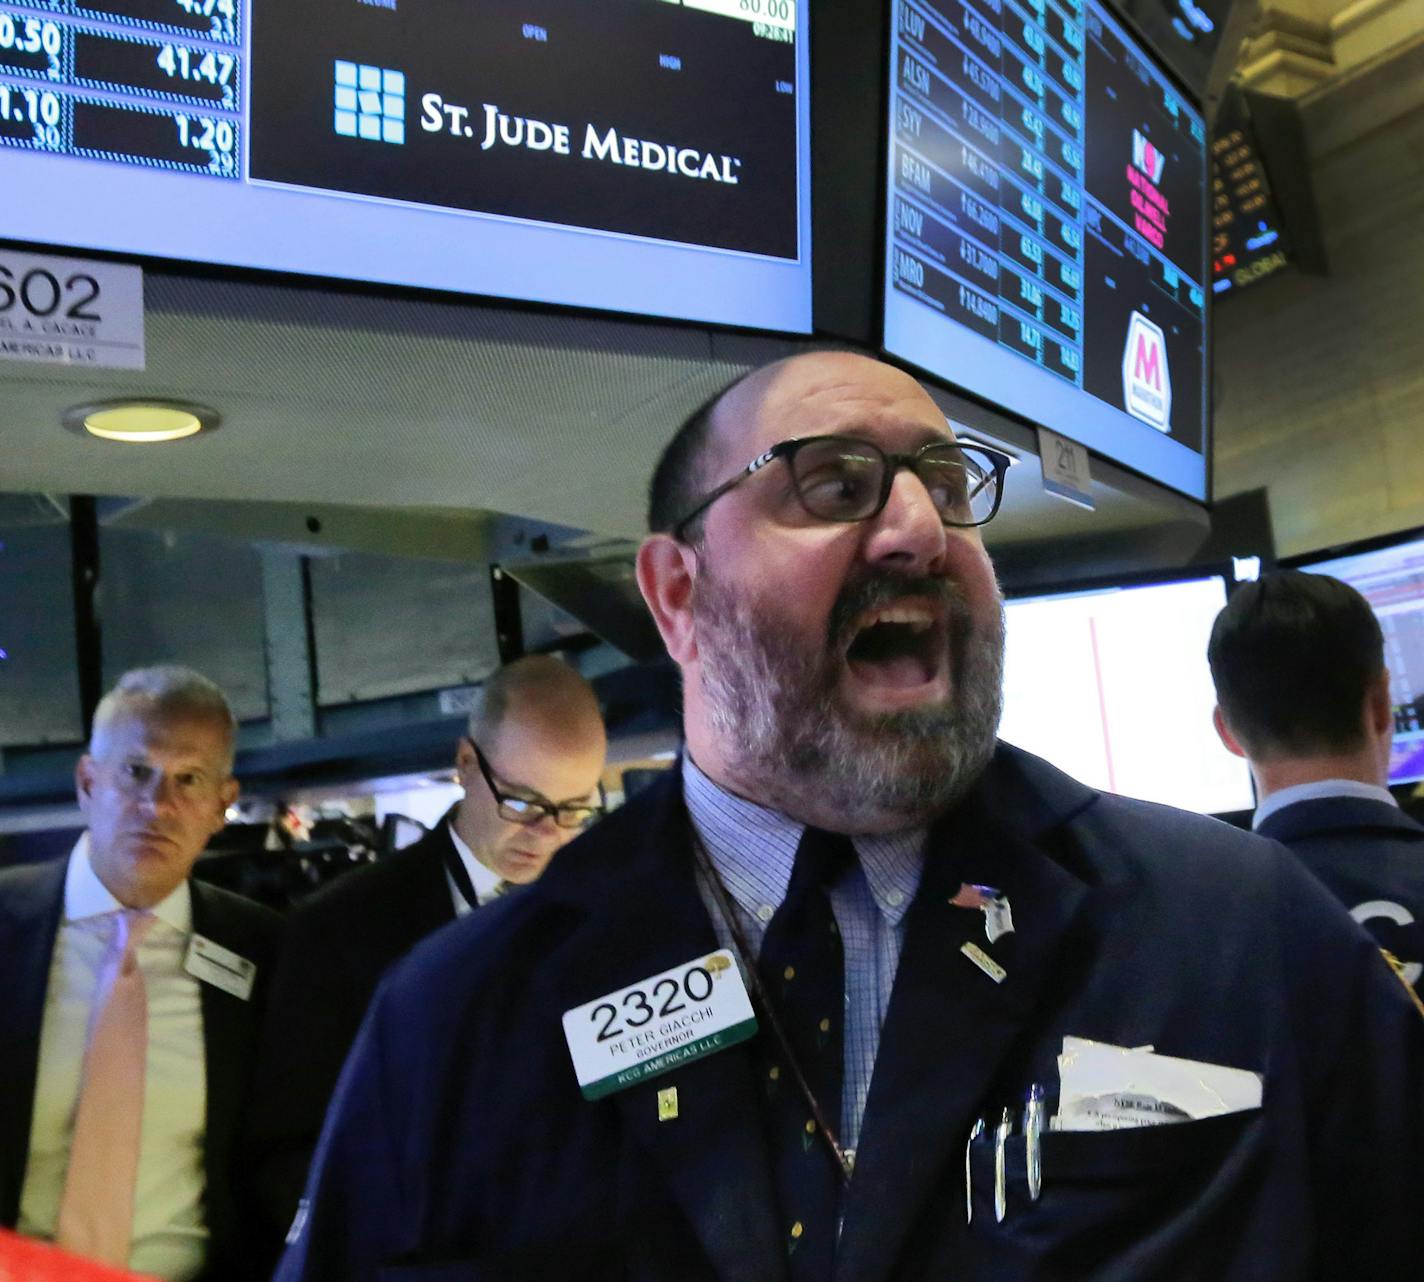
[1247, 241]
[647, 156]
[1045, 244]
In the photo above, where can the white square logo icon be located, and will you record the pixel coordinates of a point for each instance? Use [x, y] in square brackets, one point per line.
[369, 102]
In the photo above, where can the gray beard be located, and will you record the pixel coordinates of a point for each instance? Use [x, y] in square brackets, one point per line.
[786, 738]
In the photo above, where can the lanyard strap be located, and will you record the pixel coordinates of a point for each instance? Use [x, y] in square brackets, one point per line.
[845, 1158]
[459, 874]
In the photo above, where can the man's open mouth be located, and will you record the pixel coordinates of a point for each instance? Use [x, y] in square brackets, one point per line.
[899, 646]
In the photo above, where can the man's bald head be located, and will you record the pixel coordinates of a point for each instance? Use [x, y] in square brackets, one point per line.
[541, 691]
[535, 734]
[703, 447]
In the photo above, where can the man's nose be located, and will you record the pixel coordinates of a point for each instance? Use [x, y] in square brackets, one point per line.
[160, 793]
[546, 828]
[908, 534]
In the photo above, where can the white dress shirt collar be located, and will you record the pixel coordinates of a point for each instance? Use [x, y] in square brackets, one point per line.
[485, 880]
[86, 896]
[1317, 791]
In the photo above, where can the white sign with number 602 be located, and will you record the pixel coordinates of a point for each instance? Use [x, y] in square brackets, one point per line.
[70, 311]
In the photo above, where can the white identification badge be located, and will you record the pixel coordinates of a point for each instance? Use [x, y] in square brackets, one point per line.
[221, 967]
[657, 1024]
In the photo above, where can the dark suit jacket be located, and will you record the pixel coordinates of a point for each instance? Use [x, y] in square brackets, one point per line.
[338, 944]
[31, 904]
[459, 1147]
[1371, 855]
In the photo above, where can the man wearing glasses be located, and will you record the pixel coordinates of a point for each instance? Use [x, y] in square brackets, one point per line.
[922, 919]
[530, 765]
[130, 1004]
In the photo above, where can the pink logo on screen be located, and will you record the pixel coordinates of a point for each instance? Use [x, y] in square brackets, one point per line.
[1147, 158]
[1150, 208]
[1146, 379]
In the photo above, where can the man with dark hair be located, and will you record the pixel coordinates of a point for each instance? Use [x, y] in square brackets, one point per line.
[805, 1009]
[530, 764]
[132, 999]
[1304, 695]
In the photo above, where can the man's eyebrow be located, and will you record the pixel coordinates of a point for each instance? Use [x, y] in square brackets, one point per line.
[532, 794]
[578, 802]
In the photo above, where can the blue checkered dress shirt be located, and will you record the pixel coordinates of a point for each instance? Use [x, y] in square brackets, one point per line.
[753, 849]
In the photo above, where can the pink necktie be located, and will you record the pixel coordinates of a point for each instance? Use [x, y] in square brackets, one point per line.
[97, 1209]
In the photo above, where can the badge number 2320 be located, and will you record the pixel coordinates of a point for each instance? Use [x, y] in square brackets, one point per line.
[667, 1020]
[667, 998]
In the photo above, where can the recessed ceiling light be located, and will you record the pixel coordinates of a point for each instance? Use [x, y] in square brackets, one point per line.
[147, 422]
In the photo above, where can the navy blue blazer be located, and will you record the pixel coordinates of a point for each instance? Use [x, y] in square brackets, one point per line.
[31, 903]
[336, 947]
[460, 1149]
[1371, 856]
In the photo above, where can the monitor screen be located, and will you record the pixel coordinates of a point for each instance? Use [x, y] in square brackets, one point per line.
[1045, 246]
[1248, 241]
[1391, 579]
[1112, 686]
[627, 156]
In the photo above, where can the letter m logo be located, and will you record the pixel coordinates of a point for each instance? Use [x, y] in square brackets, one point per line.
[1147, 362]
[1146, 376]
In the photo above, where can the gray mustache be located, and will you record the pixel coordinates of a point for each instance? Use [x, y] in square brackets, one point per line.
[874, 590]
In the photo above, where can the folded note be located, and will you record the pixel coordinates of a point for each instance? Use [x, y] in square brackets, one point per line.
[1106, 1088]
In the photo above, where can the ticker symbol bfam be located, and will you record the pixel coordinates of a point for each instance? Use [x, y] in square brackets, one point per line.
[1149, 206]
[1146, 379]
[370, 102]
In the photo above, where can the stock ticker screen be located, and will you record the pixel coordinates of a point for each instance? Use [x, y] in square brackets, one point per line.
[1248, 240]
[633, 155]
[1045, 244]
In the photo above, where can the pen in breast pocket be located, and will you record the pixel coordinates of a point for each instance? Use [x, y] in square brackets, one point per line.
[1033, 1140]
[968, 1178]
[1001, 1186]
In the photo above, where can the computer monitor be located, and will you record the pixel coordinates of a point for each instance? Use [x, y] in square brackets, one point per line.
[1045, 239]
[1111, 684]
[1389, 574]
[624, 156]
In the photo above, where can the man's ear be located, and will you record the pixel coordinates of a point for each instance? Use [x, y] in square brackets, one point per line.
[84, 781]
[227, 794]
[667, 572]
[1229, 740]
[467, 768]
[1379, 707]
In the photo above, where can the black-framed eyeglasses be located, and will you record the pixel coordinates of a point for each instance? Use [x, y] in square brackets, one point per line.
[843, 478]
[526, 810]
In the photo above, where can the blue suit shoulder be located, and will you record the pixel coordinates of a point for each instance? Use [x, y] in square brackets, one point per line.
[1122, 838]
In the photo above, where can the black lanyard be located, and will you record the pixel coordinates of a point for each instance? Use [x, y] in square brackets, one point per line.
[459, 874]
[845, 1158]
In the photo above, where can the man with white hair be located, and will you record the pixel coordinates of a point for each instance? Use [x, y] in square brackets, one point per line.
[130, 1008]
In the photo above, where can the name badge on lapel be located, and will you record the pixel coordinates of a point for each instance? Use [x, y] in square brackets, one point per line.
[211, 963]
[658, 1024]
